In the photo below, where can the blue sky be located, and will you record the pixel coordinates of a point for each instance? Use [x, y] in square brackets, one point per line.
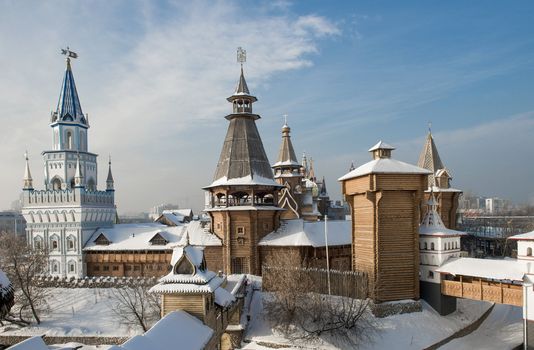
[154, 76]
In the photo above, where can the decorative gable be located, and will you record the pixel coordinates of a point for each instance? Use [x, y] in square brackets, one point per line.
[102, 240]
[158, 239]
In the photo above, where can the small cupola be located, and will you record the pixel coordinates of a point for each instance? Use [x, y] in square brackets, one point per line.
[381, 150]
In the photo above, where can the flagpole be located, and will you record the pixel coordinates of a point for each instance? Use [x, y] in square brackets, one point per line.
[327, 259]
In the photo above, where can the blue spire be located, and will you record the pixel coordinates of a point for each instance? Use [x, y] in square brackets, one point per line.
[69, 108]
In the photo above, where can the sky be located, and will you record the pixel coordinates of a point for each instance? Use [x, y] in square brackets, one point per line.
[154, 77]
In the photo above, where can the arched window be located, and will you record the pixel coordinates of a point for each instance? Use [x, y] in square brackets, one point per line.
[56, 184]
[71, 243]
[91, 184]
[68, 139]
[54, 243]
[38, 243]
[72, 267]
[529, 251]
[82, 141]
[55, 267]
[426, 246]
[432, 246]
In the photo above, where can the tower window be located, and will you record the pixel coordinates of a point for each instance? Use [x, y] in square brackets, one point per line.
[240, 230]
[426, 246]
[432, 246]
[529, 251]
[68, 141]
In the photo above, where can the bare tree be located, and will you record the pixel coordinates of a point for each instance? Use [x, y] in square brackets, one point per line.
[135, 305]
[300, 311]
[23, 265]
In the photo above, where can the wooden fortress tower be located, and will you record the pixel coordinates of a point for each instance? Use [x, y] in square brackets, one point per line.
[242, 200]
[385, 196]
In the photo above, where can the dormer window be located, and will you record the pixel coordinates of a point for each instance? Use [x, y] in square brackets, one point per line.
[158, 239]
[184, 267]
[102, 240]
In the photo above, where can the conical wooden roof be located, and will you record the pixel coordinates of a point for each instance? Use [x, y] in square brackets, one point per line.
[429, 159]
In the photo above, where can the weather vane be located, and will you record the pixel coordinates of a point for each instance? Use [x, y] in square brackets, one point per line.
[70, 54]
[241, 55]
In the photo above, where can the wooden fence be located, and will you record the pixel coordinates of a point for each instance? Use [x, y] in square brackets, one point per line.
[350, 284]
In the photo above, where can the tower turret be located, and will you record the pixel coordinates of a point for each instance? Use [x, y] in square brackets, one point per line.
[28, 181]
[242, 200]
[78, 177]
[109, 181]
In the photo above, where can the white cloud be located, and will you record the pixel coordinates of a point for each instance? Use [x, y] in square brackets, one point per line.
[153, 82]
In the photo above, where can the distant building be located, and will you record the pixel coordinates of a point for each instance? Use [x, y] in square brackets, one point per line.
[495, 205]
[12, 222]
[157, 210]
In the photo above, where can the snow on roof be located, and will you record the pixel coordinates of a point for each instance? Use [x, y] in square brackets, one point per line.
[437, 189]
[286, 162]
[244, 181]
[194, 254]
[33, 343]
[298, 232]
[432, 225]
[509, 269]
[523, 236]
[381, 145]
[384, 166]
[223, 297]
[138, 236]
[244, 208]
[234, 282]
[439, 231]
[182, 212]
[168, 288]
[176, 219]
[176, 329]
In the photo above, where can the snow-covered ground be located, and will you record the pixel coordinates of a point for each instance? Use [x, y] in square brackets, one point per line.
[79, 311]
[503, 329]
[407, 331]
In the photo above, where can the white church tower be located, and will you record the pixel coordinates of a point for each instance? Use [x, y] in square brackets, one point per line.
[437, 244]
[62, 217]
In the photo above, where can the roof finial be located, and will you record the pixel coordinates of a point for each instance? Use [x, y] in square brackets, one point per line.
[70, 54]
[430, 128]
[285, 119]
[241, 56]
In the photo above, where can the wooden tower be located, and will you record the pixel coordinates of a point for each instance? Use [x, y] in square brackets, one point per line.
[242, 200]
[439, 183]
[385, 196]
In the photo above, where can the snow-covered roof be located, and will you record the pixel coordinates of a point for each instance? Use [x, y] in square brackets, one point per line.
[506, 269]
[244, 181]
[298, 232]
[523, 236]
[183, 288]
[138, 236]
[245, 208]
[286, 163]
[384, 166]
[223, 297]
[33, 343]
[381, 145]
[176, 329]
[437, 189]
[432, 225]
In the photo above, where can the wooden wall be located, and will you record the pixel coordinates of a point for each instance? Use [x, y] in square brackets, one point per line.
[141, 263]
[255, 224]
